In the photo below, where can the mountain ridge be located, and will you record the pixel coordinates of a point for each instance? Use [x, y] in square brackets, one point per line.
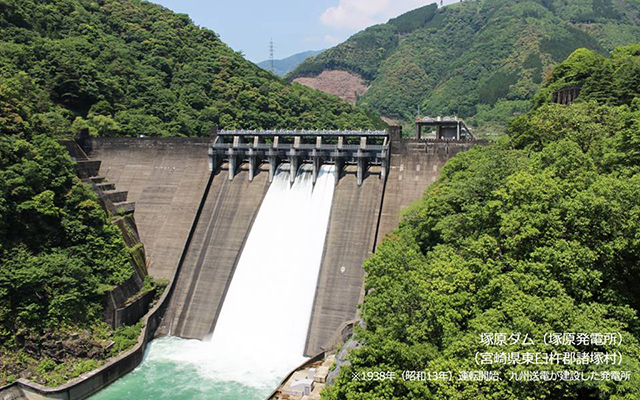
[131, 67]
[285, 65]
[482, 60]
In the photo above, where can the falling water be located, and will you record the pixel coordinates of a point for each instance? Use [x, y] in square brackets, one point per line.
[262, 327]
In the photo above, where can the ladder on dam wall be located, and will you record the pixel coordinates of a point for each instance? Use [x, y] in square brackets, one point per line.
[340, 148]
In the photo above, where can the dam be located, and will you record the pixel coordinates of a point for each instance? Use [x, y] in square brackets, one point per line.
[201, 209]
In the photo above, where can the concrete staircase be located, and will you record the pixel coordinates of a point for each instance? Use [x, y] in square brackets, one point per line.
[115, 201]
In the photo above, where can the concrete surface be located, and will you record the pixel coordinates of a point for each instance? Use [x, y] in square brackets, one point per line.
[226, 220]
[12, 393]
[414, 166]
[166, 178]
[349, 241]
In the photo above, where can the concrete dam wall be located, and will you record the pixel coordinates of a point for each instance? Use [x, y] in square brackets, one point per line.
[168, 179]
[350, 240]
[415, 164]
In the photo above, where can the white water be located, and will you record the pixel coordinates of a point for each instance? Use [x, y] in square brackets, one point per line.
[262, 327]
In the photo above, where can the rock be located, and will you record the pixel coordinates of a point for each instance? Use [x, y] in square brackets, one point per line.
[95, 353]
[32, 349]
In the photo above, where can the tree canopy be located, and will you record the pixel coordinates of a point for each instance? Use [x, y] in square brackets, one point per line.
[537, 233]
[128, 68]
[59, 252]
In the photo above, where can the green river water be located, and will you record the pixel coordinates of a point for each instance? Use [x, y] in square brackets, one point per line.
[171, 370]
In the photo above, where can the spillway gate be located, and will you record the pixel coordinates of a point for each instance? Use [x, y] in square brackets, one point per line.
[340, 148]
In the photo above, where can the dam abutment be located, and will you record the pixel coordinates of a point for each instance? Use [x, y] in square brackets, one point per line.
[92, 382]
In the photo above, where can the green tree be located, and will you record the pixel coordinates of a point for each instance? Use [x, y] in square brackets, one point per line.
[533, 234]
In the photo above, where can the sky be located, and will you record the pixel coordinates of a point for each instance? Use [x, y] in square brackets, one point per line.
[295, 25]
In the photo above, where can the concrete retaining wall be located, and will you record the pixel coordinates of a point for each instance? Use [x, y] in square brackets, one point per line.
[86, 169]
[88, 384]
[133, 311]
[107, 196]
[129, 230]
[117, 297]
[74, 150]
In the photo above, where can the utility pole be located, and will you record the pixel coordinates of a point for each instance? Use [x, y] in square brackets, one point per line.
[271, 62]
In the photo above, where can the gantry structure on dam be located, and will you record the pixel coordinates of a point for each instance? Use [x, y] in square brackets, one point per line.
[340, 148]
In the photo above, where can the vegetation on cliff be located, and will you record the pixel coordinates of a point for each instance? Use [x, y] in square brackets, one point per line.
[538, 233]
[59, 254]
[128, 68]
[483, 60]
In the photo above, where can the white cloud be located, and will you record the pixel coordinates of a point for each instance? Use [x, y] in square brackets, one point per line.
[332, 40]
[355, 15]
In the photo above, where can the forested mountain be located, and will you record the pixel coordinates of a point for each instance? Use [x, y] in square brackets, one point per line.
[286, 65]
[130, 67]
[483, 59]
[535, 234]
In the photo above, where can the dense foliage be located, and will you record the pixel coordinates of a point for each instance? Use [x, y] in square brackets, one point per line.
[58, 251]
[535, 234]
[479, 59]
[362, 54]
[612, 80]
[116, 68]
[58, 254]
[132, 67]
[409, 22]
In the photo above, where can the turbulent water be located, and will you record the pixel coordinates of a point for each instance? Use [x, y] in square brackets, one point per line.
[171, 370]
[262, 328]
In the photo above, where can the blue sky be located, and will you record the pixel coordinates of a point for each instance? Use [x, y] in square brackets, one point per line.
[295, 25]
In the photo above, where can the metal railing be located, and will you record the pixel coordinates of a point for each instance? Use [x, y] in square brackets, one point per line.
[307, 147]
[335, 133]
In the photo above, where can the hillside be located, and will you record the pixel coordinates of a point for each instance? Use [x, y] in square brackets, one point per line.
[130, 67]
[286, 65]
[482, 60]
[532, 235]
[59, 254]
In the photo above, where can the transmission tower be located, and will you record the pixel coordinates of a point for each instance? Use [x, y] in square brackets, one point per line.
[271, 63]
